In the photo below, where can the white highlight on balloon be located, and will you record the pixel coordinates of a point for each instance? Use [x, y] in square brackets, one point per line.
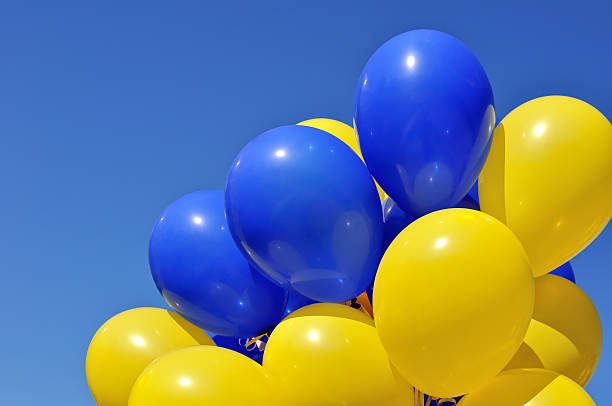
[539, 129]
[441, 242]
[411, 61]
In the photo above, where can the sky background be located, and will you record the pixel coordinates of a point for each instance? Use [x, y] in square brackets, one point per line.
[110, 112]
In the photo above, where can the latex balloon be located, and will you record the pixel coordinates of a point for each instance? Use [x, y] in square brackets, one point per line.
[396, 219]
[424, 117]
[565, 333]
[549, 177]
[202, 274]
[454, 270]
[565, 271]
[314, 359]
[295, 302]
[343, 132]
[305, 210]
[405, 395]
[203, 376]
[529, 387]
[127, 343]
[473, 193]
[332, 310]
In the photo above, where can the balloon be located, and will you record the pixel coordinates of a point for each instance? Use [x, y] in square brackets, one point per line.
[343, 132]
[323, 235]
[459, 271]
[332, 310]
[424, 117]
[565, 271]
[565, 333]
[203, 376]
[396, 219]
[202, 274]
[405, 395]
[473, 193]
[549, 177]
[127, 343]
[313, 360]
[295, 302]
[529, 387]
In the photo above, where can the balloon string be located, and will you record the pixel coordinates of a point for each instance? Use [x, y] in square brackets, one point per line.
[252, 343]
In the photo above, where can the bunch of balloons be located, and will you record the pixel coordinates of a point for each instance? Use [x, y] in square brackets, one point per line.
[363, 265]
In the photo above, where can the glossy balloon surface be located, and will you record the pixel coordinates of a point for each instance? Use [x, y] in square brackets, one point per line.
[529, 387]
[322, 360]
[203, 276]
[459, 271]
[396, 219]
[295, 302]
[199, 376]
[565, 334]
[333, 310]
[549, 177]
[127, 343]
[304, 208]
[424, 116]
[473, 193]
[343, 132]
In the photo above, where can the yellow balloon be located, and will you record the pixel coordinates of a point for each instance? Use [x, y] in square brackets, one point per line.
[565, 333]
[202, 376]
[344, 133]
[127, 343]
[323, 360]
[454, 296]
[529, 387]
[333, 310]
[549, 177]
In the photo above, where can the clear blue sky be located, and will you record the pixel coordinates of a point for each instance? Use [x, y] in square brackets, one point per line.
[108, 113]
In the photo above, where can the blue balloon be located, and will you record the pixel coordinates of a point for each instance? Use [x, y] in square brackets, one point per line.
[296, 301]
[565, 271]
[202, 274]
[473, 193]
[425, 116]
[303, 207]
[396, 219]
